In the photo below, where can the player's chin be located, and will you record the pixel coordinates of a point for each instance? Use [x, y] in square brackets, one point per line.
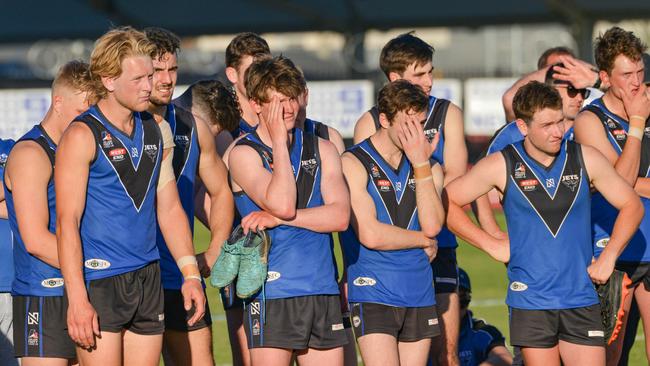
[290, 122]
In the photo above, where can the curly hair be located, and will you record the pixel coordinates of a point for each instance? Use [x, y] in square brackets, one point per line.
[245, 44]
[164, 41]
[402, 51]
[401, 95]
[617, 41]
[533, 97]
[277, 73]
[217, 102]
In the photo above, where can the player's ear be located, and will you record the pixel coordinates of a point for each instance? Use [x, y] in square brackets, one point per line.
[109, 83]
[522, 126]
[57, 103]
[392, 76]
[257, 107]
[383, 120]
[231, 74]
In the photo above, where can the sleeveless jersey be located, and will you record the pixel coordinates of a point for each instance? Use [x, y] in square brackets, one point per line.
[118, 228]
[547, 210]
[33, 276]
[509, 134]
[185, 163]
[476, 340]
[242, 129]
[390, 277]
[300, 260]
[6, 240]
[604, 214]
[435, 124]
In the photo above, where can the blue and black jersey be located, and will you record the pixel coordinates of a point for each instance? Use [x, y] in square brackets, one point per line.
[603, 213]
[118, 228]
[547, 211]
[435, 124]
[300, 260]
[242, 129]
[390, 277]
[476, 340]
[185, 163]
[33, 276]
[6, 245]
[509, 134]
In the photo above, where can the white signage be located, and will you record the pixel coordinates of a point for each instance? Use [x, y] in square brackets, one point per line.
[484, 112]
[450, 89]
[20, 109]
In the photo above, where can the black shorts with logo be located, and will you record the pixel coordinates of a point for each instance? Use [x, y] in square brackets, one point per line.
[445, 271]
[637, 271]
[545, 328]
[295, 323]
[131, 301]
[40, 328]
[405, 324]
[229, 297]
[176, 316]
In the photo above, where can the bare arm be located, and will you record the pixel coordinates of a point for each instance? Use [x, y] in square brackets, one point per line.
[488, 173]
[214, 178]
[3, 204]
[455, 154]
[74, 155]
[364, 128]
[28, 174]
[509, 95]
[372, 233]
[620, 195]
[336, 139]
[498, 356]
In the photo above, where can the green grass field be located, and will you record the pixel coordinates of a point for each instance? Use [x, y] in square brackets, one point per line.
[488, 294]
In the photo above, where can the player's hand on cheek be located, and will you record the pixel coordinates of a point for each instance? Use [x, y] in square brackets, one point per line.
[259, 220]
[193, 294]
[275, 121]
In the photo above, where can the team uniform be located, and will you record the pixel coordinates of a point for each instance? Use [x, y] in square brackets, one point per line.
[120, 256]
[39, 309]
[509, 134]
[298, 306]
[635, 259]
[445, 265]
[550, 300]
[390, 292]
[185, 162]
[7, 275]
[476, 340]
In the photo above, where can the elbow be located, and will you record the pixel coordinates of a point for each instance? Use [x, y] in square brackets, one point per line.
[341, 221]
[368, 238]
[284, 212]
[431, 231]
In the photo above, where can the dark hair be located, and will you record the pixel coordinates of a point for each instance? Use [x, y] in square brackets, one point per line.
[277, 73]
[534, 97]
[217, 102]
[401, 95]
[164, 41]
[402, 51]
[617, 41]
[245, 44]
[542, 62]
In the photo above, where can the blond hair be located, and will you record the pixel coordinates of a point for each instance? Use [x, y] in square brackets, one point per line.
[109, 52]
[73, 75]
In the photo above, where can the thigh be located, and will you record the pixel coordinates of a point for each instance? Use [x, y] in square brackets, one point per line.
[582, 326]
[576, 354]
[107, 352]
[270, 356]
[237, 336]
[541, 356]
[534, 328]
[190, 347]
[419, 324]
[316, 357]
[379, 349]
[140, 349]
[414, 353]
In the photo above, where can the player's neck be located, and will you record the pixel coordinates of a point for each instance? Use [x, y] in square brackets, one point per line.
[53, 125]
[157, 111]
[118, 115]
[247, 112]
[390, 152]
[614, 104]
[538, 155]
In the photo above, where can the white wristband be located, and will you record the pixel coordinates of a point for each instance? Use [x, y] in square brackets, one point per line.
[184, 261]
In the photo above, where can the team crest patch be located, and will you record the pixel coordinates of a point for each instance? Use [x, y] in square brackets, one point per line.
[151, 151]
[182, 141]
[411, 184]
[374, 171]
[107, 140]
[256, 327]
[571, 181]
[32, 338]
[520, 171]
[430, 133]
[309, 166]
[3, 160]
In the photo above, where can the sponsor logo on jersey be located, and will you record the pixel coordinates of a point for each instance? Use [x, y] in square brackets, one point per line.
[161, 317]
[151, 151]
[3, 160]
[383, 185]
[430, 133]
[309, 166]
[52, 282]
[95, 263]
[107, 140]
[571, 181]
[433, 321]
[520, 170]
[356, 321]
[338, 326]
[619, 134]
[364, 281]
[518, 286]
[32, 317]
[374, 171]
[528, 185]
[182, 141]
[411, 184]
[596, 333]
[256, 327]
[550, 182]
[272, 276]
[602, 243]
[134, 152]
[117, 154]
[32, 338]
